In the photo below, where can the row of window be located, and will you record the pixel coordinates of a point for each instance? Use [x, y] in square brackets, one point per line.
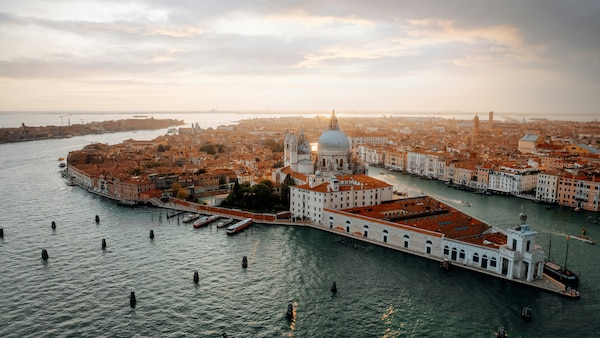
[462, 255]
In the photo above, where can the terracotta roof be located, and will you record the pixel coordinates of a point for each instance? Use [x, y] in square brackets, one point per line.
[429, 214]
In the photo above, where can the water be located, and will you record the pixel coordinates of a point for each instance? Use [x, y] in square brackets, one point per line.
[83, 291]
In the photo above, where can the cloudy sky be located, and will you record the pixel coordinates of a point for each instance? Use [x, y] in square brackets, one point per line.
[305, 55]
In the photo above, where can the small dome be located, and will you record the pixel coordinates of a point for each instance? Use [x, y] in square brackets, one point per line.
[333, 139]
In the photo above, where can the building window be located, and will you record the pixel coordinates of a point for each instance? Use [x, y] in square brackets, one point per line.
[461, 255]
[406, 240]
[385, 236]
[446, 250]
[493, 262]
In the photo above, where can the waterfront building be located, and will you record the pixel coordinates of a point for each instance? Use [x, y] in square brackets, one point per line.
[416, 162]
[578, 192]
[371, 154]
[465, 174]
[426, 227]
[395, 159]
[336, 192]
[547, 187]
[513, 180]
[483, 176]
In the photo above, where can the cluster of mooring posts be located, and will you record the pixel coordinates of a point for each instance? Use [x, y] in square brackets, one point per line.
[132, 299]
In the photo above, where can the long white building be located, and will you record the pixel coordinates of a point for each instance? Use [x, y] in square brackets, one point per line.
[427, 227]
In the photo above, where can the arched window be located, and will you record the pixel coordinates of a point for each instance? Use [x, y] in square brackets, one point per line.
[406, 240]
[365, 230]
[476, 257]
[461, 254]
[429, 245]
[446, 250]
[348, 223]
[454, 251]
[493, 262]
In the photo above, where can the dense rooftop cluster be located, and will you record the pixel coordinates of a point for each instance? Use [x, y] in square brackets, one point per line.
[468, 153]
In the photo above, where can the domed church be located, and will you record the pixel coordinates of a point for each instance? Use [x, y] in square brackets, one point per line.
[332, 156]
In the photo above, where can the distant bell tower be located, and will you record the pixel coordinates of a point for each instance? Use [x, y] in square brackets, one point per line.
[475, 136]
[491, 120]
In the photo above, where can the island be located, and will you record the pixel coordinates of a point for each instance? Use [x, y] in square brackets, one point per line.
[27, 133]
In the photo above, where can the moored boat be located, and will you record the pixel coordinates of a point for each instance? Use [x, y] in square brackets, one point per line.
[224, 222]
[564, 276]
[206, 220]
[190, 218]
[239, 226]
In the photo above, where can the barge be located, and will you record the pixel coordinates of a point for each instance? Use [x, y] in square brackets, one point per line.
[239, 226]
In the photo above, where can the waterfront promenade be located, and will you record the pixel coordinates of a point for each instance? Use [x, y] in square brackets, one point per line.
[545, 283]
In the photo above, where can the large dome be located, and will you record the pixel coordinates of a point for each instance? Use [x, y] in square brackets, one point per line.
[333, 139]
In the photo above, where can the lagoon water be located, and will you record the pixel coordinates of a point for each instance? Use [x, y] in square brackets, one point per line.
[83, 290]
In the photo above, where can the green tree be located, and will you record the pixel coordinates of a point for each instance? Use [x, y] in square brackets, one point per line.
[137, 171]
[163, 148]
[285, 191]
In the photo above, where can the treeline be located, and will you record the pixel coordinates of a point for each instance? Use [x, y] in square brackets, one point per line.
[260, 197]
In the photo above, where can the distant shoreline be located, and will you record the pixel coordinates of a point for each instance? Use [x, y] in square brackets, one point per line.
[27, 133]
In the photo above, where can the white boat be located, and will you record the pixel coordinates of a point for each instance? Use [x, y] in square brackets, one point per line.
[239, 226]
[190, 218]
[224, 222]
[204, 221]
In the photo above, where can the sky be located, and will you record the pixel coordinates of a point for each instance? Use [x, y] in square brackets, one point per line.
[539, 56]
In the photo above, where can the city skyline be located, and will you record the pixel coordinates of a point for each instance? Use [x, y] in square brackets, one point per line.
[428, 56]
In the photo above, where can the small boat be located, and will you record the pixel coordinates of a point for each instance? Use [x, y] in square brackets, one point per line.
[224, 222]
[501, 333]
[62, 164]
[526, 312]
[239, 226]
[190, 218]
[565, 276]
[583, 238]
[465, 203]
[205, 221]
[445, 264]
